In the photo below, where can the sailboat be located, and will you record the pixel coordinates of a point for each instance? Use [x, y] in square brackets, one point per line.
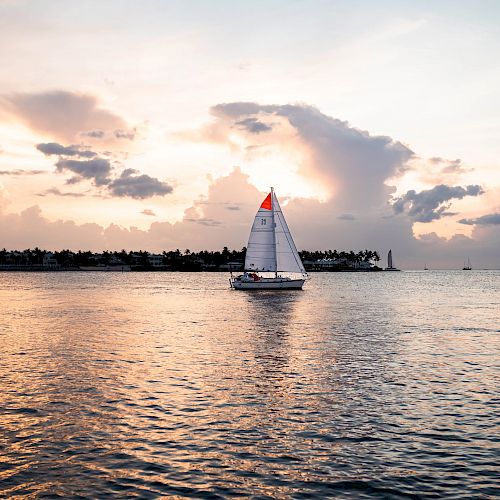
[271, 253]
[467, 267]
[389, 263]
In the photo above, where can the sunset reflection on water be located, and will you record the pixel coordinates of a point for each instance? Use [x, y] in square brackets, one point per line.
[172, 384]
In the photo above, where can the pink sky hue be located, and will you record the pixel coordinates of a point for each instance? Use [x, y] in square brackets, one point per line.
[142, 127]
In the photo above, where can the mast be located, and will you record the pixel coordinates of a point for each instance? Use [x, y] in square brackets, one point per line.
[274, 234]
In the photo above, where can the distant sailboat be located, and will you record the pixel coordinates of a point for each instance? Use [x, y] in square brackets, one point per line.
[390, 267]
[467, 267]
[425, 267]
[270, 250]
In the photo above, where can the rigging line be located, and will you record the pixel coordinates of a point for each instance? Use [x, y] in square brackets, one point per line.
[286, 233]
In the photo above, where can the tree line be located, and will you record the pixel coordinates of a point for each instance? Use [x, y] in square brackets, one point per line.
[173, 259]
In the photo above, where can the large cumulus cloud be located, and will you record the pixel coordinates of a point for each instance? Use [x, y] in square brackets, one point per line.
[354, 163]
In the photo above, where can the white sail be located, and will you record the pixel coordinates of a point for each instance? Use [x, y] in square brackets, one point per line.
[389, 259]
[261, 248]
[287, 257]
[270, 246]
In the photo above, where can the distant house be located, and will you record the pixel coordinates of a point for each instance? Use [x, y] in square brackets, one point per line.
[325, 264]
[363, 265]
[115, 261]
[14, 258]
[231, 266]
[50, 261]
[136, 258]
[155, 260]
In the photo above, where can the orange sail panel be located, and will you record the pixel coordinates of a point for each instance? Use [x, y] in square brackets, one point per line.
[267, 203]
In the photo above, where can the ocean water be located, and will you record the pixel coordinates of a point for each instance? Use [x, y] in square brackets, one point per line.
[150, 385]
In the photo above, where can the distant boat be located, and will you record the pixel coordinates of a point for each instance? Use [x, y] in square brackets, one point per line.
[467, 267]
[270, 250]
[390, 267]
[425, 267]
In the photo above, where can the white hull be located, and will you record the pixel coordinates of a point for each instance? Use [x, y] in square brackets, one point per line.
[268, 284]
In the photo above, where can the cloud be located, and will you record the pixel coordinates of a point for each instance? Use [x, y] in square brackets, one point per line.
[346, 217]
[204, 221]
[100, 172]
[253, 125]
[484, 220]
[352, 163]
[138, 186]
[97, 169]
[53, 148]
[148, 211]
[437, 170]
[125, 134]
[22, 172]
[60, 113]
[454, 167]
[57, 192]
[430, 204]
[30, 228]
[95, 134]
[310, 222]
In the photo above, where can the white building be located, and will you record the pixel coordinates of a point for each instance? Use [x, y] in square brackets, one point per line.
[155, 259]
[49, 260]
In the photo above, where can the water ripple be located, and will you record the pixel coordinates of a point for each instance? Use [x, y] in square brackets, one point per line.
[167, 384]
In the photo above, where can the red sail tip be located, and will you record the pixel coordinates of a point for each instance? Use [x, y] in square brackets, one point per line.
[267, 203]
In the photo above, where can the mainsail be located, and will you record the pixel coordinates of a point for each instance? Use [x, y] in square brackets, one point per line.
[270, 246]
[389, 259]
[261, 249]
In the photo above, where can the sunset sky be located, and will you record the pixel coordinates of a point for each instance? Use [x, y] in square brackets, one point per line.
[159, 125]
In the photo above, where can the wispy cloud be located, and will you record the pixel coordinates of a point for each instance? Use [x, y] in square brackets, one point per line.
[18, 171]
[54, 148]
[484, 220]
[346, 217]
[125, 134]
[94, 134]
[204, 221]
[57, 192]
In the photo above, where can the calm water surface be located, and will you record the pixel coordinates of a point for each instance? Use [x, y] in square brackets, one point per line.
[167, 384]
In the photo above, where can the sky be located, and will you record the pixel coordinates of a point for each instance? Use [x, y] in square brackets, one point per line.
[158, 125]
